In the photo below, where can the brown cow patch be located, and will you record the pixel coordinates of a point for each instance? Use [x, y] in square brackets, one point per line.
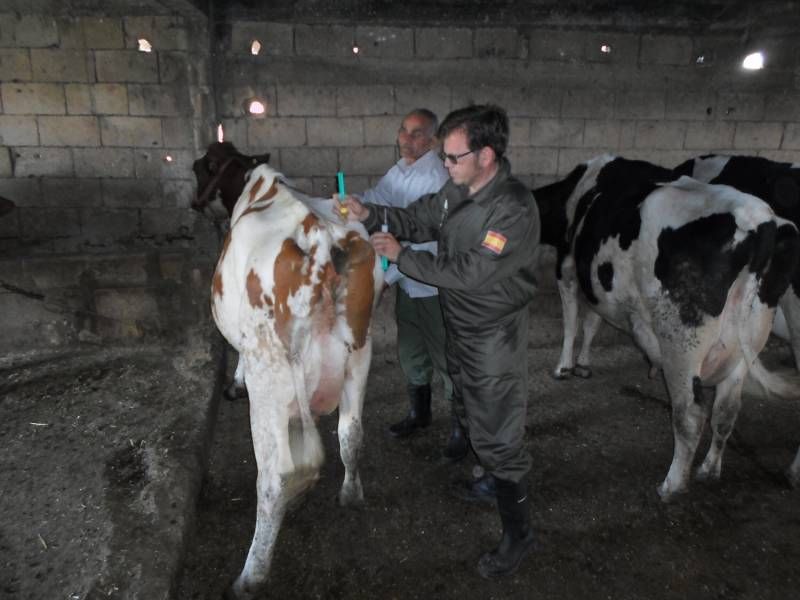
[360, 286]
[254, 290]
[254, 190]
[273, 189]
[216, 284]
[288, 279]
[310, 222]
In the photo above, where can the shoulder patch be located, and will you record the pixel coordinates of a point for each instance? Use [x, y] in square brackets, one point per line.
[494, 241]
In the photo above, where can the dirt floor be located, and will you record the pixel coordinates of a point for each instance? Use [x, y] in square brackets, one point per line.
[99, 468]
[600, 447]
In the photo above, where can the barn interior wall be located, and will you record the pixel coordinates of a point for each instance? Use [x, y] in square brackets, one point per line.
[96, 137]
[651, 97]
[87, 120]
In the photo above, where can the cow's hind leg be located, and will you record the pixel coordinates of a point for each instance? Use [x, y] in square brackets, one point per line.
[591, 325]
[350, 428]
[688, 417]
[270, 396]
[727, 401]
[568, 292]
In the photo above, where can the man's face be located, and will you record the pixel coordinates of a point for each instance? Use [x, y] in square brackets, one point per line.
[466, 169]
[414, 138]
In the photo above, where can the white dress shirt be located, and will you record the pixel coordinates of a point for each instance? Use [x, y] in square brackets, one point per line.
[402, 185]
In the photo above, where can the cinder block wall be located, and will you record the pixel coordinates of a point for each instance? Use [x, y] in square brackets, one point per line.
[96, 137]
[652, 97]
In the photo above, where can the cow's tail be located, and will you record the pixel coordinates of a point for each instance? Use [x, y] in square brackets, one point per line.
[781, 385]
[774, 259]
[304, 441]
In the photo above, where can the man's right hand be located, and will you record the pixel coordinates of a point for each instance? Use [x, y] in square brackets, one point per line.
[355, 210]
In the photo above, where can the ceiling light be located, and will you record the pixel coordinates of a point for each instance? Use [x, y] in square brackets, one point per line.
[255, 47]
[144, 45]
[220, 133]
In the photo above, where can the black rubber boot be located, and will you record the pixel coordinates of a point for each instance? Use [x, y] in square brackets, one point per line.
[482, 490]
[518, 539]
[458, 444]
[419, 416]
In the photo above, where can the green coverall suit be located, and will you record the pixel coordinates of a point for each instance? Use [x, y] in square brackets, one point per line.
[484, 272]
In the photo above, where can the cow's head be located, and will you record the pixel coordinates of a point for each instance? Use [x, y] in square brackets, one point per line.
[6, 206]
[221, 174]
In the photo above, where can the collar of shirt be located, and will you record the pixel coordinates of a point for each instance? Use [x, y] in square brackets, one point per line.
[425, 161]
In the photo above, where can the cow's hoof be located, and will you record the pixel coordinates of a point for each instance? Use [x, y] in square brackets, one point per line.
[561, 374]
[706, 474]
[240, 591]
[352, 496]
[582, 371]
[668, 495]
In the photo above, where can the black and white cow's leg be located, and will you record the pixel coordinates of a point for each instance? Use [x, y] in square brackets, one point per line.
[688, 417]
[271, 393]
[790, 307]
[237, 388]
[568, 292]
[646, 339]
[350, 427]
[591, 325]
[793, 472]
[727, 401]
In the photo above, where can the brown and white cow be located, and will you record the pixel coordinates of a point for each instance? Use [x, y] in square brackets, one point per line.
[693, 272]
[293, 293]
[221, 174]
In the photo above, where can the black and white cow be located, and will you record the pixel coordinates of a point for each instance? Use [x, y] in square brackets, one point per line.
[777, 184]
[693, 272]
[557, 231]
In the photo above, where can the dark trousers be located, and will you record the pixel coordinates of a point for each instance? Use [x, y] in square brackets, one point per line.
[489, 369]
[421, 340]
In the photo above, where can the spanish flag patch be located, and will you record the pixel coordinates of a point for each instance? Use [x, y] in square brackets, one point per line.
[494, 241]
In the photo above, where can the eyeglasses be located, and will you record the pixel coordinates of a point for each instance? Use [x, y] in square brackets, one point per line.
[453, 158]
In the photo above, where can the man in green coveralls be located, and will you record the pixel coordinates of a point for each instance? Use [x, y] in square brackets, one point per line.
[487, 227]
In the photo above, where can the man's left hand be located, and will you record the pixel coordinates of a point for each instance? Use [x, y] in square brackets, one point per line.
[386, 245]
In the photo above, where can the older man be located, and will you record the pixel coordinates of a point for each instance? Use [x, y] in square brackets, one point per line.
[420, 329]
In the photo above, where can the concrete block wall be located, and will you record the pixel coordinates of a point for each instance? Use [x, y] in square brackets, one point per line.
[660, 96]
[51, 301]
[96, 137]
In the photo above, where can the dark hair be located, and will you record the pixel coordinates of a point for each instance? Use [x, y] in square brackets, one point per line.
[429, 115]
[484, 124]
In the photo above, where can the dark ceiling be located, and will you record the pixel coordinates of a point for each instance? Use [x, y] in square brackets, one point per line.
[778, 17]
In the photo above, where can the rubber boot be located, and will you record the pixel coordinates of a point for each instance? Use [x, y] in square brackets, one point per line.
[419, 416]
[458, 444]
[518, 539]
